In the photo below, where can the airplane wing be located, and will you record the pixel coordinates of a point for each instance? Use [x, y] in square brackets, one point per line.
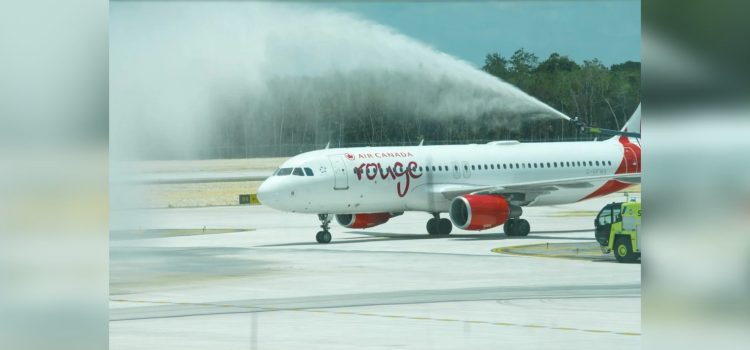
[527, 191]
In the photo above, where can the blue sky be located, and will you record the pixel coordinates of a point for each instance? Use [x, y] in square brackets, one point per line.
[607, 30]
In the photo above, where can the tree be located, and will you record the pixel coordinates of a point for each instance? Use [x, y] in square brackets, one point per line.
[627, 66]
[496, 65]
[556, 63]
[523, 62]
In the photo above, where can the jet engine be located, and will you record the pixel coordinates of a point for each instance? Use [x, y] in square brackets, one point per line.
[363, 220]
[480, 212]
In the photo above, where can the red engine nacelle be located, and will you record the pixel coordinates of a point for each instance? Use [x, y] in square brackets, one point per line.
[480, 212]
[362, 220]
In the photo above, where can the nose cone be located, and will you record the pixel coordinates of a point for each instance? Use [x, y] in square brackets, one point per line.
[269, 192]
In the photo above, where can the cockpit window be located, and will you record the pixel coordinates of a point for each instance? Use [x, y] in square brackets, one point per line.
[308, 172]
[283, 171]
[298, 172]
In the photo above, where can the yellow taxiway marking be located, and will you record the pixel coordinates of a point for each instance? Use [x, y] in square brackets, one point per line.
[554, 250]
[391, 316]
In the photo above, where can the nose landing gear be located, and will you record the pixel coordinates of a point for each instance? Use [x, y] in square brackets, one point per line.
[324, 236]
[438, 226]
[516, 227]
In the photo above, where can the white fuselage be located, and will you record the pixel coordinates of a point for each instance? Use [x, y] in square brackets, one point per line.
[397, 179]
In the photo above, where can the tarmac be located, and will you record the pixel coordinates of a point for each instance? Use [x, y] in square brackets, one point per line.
[250, 277]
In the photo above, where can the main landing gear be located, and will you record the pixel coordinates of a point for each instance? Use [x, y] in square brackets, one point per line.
[516, 227]
[324, 236]
[438, 226]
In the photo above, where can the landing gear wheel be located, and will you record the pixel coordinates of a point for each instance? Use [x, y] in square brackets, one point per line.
[624, 250]
[432, 226]
[323, 237]
[521, 228]
[508, 227]
[444, 226]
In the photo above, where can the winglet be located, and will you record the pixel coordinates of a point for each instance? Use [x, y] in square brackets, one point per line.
[328, 144]
[421, 142]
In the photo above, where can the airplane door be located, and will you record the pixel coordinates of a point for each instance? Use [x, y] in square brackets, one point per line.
[467, 172]
[456, 170]
[340, 177]
[631, 161]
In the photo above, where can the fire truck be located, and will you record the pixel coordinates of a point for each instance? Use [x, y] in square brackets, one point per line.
[618, 230]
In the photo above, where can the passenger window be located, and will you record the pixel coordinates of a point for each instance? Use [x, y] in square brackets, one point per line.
[466, 167]
[554, 164]
[516, 165]
[591, 163]
[284, 172]
[472, 167]
[505, 166]
[485, 167]
[492, 166]
[420, 168]
[597, 163]
[433, 168]
[440, 167]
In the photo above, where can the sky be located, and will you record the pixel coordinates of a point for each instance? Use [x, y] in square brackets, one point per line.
[582, 30]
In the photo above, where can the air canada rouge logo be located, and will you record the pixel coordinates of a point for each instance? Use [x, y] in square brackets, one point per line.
[399, 172]
[349, 156]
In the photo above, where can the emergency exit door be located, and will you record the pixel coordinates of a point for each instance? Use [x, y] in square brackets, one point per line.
[456, 170]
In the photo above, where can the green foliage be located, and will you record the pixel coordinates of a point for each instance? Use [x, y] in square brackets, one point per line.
[602, 97]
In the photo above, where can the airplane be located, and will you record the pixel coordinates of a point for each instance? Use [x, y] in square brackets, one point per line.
[479, 186]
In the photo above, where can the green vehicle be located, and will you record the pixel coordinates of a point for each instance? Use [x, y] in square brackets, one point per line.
[618, 229]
